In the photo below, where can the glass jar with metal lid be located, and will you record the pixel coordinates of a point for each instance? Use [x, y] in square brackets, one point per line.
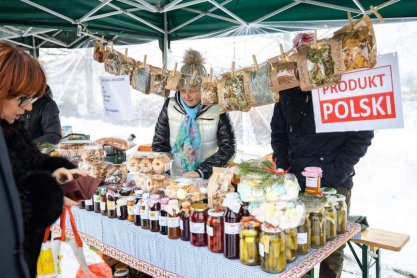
[250, 230]
[304, 236]
[318, 228]
[215, 230]
[272, 249]
[198, 221]
[291, 244]
[342, 213]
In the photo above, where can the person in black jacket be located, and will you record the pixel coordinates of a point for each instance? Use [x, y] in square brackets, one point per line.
[37, 176]
[42, 123]
[296, 145]
[197, 135]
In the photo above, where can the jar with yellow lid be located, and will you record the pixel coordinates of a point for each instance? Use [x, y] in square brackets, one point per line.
[250, 230]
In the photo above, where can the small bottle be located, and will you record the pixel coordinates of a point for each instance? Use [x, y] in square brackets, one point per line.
[96, 200]
[89, 204]
[111, 204]
[82, 205]
[215, 230]
[185, 221]
[198, 221]
[154, 208]
[304, 236]
[313, 180]
[173, 211]
[121, 208]
[232, 219]
[163, 217]
[137, 206]
[103, 201]
[130, 208]
[144, 211]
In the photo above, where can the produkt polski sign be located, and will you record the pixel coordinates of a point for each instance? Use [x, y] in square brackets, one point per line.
[365, 99]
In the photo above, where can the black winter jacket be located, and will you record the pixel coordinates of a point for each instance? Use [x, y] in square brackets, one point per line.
[42, 123]
[225, 138]
[40, 194]
[296, 144]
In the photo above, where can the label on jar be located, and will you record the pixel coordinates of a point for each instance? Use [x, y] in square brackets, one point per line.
[181, 225]
[103, 206]
[174, 222]
[209, 231]
[130, 210]
[311, 182]
[96, 198]
[261, 250]
[231, 228]
[119, 213]
[144, 214]
[197, 228]
[301, 238]
[111, 205]
[154, 215]
[136, 210]
[88, 202]
[163, 221]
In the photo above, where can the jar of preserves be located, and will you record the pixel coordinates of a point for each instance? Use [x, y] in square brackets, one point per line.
[103, 200]
[342, 214]
[130, 208]
[185, 221]
[318, 228]
[137, 206]
[154, 208]
[198, 221]
[232, 219]
[313, 180]
[163, 217]
[304, 236]
[82, 205]
[121, 208]
[89, 204]
[272, 249]
[331, 219]
[144, 212]
[173, 211]
[215, 233]
[96, 200]
[111, 203]
[291, 244]
[250, 230]
[126, 191]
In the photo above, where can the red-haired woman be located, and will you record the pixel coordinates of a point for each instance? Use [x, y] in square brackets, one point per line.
[22, 82]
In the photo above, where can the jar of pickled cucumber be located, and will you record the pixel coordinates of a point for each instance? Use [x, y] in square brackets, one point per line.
[291, 244]
[331, 217]
[341, 209]
[272, 249]
[318, 228]
[304, 236]
[250, 230]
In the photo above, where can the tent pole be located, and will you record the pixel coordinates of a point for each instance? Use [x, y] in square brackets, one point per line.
[165, 51]
[34, 54]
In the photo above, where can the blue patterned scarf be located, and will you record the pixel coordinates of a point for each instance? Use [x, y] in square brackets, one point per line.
[187, 146]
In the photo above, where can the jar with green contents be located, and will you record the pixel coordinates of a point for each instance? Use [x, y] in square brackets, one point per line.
[318, 229]
[291, 244]
[250, 230]
[331, 218]
[342, 214]
[272, 249]
[304, 236]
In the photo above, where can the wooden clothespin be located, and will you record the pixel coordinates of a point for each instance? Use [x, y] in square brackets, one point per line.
[126, 50]
[232, 68]
[193, 77]
[102, 39]
[175, 68]
[144, 61]
[211, 75]
[281, 49]
[377, 14]
[111, 47]
[255, 62]
[315, 36]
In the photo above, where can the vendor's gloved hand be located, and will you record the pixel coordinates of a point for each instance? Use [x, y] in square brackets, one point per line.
[191, 175]
[64, 175]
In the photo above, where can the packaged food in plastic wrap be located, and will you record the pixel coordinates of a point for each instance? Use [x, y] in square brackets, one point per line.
[75, 148]
[127, 66]
[159, 79]
[358, 43]
[99, 169]
[209, 93]
[173, 80]
[231, 92]
[151, 183]
[141, 79]
[219, 184]
[186, 189]
[149, 162]
[116, 174]
[283, 73]
[112, 62]
[98, 52]
[313, 203]
[93, 153]
[303, 39]
[320, 64]
[115, 142]
[257, 86]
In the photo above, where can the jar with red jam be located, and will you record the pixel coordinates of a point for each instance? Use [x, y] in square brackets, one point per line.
[103, 200]
[111, 203]
[137, 206]
[232, 219]
[163, 217]
[215, 233]
[185, 221]
[154, 208]
[121, 208]
[198, 221]
[144, 211]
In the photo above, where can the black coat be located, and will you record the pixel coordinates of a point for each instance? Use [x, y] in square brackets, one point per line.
[42, 123]
[296, 144]
[13, 263]
[225, 139]
[40, 195]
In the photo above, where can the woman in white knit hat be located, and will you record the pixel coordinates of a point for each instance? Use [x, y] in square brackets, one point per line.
[197, 135]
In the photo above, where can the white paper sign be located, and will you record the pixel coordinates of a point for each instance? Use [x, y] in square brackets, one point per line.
[364, 99]
[116, 97]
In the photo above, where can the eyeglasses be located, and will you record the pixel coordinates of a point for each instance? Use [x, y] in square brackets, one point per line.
[23, 101]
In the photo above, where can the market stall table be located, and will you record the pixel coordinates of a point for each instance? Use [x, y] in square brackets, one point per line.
[156, 255]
